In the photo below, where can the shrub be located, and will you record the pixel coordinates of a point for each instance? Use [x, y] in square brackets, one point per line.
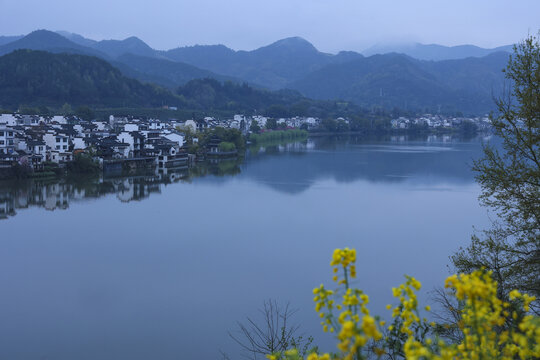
[83, 164]
[226, 146]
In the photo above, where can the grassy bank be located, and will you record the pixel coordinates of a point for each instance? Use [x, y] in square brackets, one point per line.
[278, 135]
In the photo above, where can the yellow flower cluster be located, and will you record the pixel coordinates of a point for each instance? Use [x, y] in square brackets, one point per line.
[407, 309]
[356, 326]
[346, 258]
[483, 313]
[482, 320]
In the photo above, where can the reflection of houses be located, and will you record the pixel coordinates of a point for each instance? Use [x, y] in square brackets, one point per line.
[7, 206]
[133, 189]
[125, 191]
[59, 195]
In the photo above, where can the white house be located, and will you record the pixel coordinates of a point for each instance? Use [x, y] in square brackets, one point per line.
[79, 143]
[56, 142]
[7, 140]
[37, 147]
[59, 119]
[60, 156]
[261, 120]
[131, 127]
[100, 125]
[175, 136]
[8, 120]
[135, 140]
[189, 124]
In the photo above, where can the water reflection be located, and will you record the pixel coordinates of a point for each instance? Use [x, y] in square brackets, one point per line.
[289, 168]
[295, 167]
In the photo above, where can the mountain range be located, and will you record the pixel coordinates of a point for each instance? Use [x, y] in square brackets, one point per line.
[421, 77]
[435, 52]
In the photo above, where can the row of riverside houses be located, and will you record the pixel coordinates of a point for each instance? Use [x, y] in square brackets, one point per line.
[32, 140]
[440, 121]
[244, 123]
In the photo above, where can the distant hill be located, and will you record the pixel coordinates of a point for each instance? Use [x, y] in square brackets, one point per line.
[113, 48]
[466, 83]
[131, 45]
[394, 80]
[132, 56]
[40, 78]
[77, 39]
[435, 52]
[273, 66]
[48, 41]
[7, 39]
[165, 72]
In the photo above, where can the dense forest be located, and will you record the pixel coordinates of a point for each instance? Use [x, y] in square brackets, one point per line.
[43, 79]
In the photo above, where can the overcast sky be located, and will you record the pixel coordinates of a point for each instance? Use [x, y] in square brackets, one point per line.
[331, 25]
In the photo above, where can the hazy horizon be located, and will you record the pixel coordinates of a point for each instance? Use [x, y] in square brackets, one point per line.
[245, 25]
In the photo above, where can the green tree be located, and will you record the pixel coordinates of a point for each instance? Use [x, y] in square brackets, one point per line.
[510, 181]
[468, 128]
[271, 124]
[255, 128]
[84, 113]
[66, 110]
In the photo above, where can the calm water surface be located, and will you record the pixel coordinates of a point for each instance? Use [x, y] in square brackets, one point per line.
[162, 268]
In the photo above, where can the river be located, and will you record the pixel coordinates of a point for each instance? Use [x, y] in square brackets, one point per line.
[162, 267]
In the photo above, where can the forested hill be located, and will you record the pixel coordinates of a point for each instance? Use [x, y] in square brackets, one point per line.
[210, 94]
[38, 78]
[395, 80]
[45, 79]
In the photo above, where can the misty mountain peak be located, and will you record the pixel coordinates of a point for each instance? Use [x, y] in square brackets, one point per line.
[295, 42]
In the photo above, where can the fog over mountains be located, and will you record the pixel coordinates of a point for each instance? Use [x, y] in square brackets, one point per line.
[417, 77]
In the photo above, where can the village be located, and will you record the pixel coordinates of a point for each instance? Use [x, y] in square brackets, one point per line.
[31, 140]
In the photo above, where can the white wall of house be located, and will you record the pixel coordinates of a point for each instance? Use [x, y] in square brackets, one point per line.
[38, 150]
[126, 138]
[78, 128]
[78, 143]
[21, 144]
[177, 138]
[59, 119]
[8, 120]
[261, 120]
[191, 124]
[100, 125]
[7, 140]
[60, 156]
[56, 141]
[131, 127]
